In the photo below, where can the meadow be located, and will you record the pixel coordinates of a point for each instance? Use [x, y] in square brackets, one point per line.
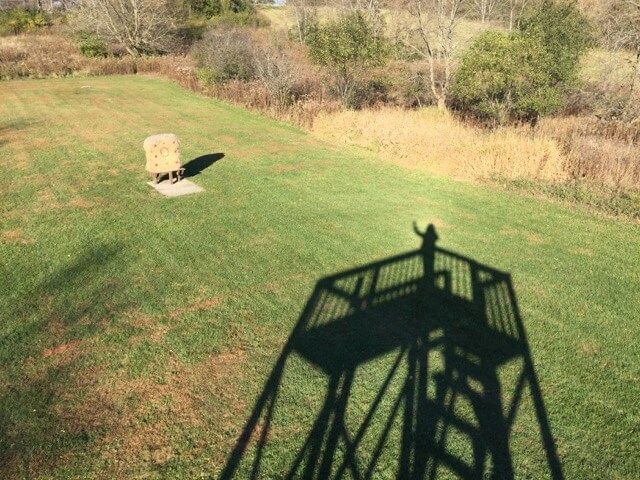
[582, 156]
[229, 334]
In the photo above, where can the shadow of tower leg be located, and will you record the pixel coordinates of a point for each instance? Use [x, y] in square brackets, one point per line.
[264, 406]
[536, 392]
[409, 394]
[338, 429]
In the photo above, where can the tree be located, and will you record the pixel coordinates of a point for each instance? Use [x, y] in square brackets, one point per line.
[485, 8]
[224, 54]
[205, 8]
[349, 46]
[516, 11]
[273, 68]
[564, 32]
[140, 26]
[431, 36]
[306, 17]
[213, 8]
[369, 7]
[18, 20]
[40, 5]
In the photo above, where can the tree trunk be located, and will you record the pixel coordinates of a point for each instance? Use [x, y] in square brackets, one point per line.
[634, 81]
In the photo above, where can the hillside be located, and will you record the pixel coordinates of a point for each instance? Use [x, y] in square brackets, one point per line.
[138, 333]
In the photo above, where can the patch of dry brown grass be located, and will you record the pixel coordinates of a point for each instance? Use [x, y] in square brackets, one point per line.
[132, 421]
[14, 236]
[80, 203]
[607, 151]
[430, 139]
[310, 100]
[531, 238]
[137, 413]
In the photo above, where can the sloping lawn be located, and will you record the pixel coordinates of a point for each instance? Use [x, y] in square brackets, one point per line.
[140, 336]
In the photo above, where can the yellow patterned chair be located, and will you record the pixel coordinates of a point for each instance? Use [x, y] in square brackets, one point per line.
[163, 156]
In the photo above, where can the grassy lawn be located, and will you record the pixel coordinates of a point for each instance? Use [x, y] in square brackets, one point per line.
[140, 336]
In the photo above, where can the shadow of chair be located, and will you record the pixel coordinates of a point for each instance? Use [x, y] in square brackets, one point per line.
[197, 165]
[447, 325]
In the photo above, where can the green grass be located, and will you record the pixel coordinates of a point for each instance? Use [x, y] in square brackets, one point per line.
[137, 332]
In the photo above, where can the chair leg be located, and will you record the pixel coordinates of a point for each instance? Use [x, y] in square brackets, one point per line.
[171, 177]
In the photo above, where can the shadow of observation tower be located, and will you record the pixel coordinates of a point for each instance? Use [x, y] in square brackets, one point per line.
[411, 350]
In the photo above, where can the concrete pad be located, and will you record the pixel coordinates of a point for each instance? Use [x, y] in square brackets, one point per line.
[183, 187]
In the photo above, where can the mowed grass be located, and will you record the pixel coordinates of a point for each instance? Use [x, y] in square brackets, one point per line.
[137, 332]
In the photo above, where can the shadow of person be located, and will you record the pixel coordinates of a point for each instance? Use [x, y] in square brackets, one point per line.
[197, 165]
[412, 349]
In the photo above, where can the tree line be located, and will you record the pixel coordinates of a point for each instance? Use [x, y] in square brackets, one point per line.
[519, 70]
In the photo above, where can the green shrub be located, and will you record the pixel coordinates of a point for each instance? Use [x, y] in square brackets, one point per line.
[205, 8]
[191, 31]
[522, 76]
[503, 77]
[214, 8]
[92, 46]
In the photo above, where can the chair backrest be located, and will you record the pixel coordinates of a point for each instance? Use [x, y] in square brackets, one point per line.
[163, 154]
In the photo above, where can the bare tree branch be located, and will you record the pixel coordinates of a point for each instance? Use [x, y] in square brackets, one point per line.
[431, 34]
[140, 26]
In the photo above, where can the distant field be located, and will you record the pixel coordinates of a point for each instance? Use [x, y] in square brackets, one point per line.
[284, 18]
[138, 334]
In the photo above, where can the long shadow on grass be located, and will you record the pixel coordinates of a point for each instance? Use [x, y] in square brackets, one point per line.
[12, 127]
[197, 165]
[421, 364]
[41, 355]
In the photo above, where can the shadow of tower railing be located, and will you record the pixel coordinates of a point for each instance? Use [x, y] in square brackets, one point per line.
[445, 325]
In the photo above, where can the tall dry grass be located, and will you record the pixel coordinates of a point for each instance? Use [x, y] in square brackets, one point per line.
[582, 160]
[427, 138]
[605, 151]
[52, 55]
[42, 55]
[304, 108]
